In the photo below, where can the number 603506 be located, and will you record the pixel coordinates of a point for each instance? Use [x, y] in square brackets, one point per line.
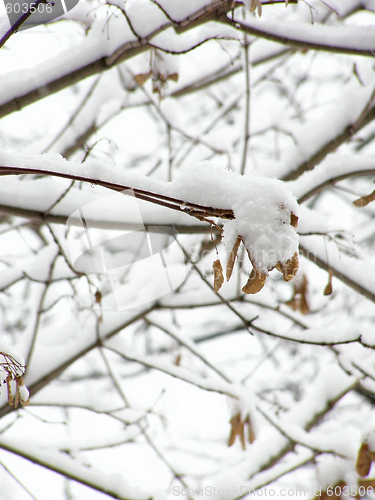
[23, 8]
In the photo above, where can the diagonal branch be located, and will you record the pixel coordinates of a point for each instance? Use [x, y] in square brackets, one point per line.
[332, 145]
[70, 468]
[337, 273]
[16, 26]
[56, 371]
[307, 38]
[128, 50]
[193, 209]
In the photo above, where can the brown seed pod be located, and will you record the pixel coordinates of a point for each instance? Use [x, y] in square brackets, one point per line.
[256, 5]
[17, 398]
[142, 78]
[218, 275]
[328, 288]
[255, 282]
[333, 493]
[98, 297]
[9, 390]
[251, 433]
[367, 483]
[289, 268]
[293, 220]
[237, 429]
[232, 258]
[364, 200]
[293, 303]
[363, 464]
[299, 300]
[303, 305]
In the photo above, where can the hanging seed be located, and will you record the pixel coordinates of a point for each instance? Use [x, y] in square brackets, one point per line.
[9, 390]
[218, 275]
[289, 268]
[293, 220]
[328, 288]
[251, 433]
[232, 258]
[363, 464]
[255, 283]
[364, 200]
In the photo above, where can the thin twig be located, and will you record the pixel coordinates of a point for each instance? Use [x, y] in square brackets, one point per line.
[246, 323]
[16, 26]
[247, 105]
[75, 113]
[189, 347]
[40, 309]
[18, 481]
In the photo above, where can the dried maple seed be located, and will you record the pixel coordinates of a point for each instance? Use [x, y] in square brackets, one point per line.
[237, 429]
[9, 389]
[364, 200]
[218, 275]
[335, 492]
[17, 398]
[256, 5]
[172, 76]
[293, 304]
[303, 305]
[255, 283]
[251, 434]
[232, 258]
[142, 78]
[289, 268]
[363, 464]
[328, 288]
[367, 483]
[299, 300]
[293, 220]
[235, 424]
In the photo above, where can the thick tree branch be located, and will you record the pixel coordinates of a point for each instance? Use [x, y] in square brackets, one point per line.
[123, 53]
[284, 37]
[192, 209]
[59, 369]
[41, 218]
[336, 273]
[22, 19]
[66, 466]
[331, 146]
[332, 181]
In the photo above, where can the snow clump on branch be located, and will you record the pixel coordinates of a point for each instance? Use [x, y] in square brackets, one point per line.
[265, 219]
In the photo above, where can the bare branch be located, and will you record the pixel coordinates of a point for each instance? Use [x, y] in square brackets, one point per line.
[285, 38]
[125, 52]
